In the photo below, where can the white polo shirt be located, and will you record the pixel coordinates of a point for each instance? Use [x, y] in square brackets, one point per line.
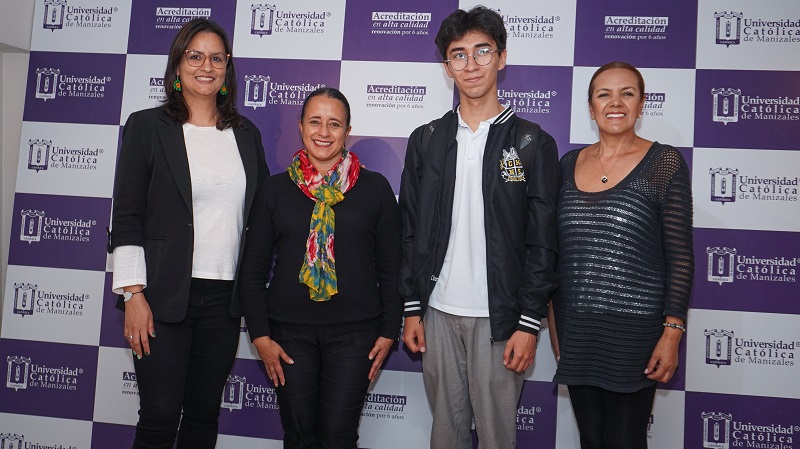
[462, 288]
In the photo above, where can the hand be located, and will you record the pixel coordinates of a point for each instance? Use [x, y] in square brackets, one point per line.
[414, 334]
[378, 354]
[271, 354]
[664, 360]
[520, 351]
[139, 325]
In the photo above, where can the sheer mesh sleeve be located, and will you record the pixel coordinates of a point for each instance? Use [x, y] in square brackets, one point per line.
[676, 231]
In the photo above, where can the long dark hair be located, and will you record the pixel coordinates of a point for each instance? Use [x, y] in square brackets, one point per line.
[174, 104]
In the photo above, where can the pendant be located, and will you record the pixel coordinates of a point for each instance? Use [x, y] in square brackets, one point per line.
[604, 179]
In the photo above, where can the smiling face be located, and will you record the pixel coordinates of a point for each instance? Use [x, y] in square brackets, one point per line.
[475, 82]
[204, 82]
[616, 101]
[324, 129]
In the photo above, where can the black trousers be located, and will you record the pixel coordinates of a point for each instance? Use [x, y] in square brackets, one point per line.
[609, 420]
[321, 402]
[181, 381]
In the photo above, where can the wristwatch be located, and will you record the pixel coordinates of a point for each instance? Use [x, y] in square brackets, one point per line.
[127, 296]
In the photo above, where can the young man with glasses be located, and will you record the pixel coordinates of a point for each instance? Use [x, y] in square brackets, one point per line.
[477, 199]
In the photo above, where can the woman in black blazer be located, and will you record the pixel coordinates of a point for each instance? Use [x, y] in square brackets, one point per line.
[186, 178]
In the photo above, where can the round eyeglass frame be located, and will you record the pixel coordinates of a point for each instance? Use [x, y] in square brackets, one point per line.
[192, 62]
[483, 52]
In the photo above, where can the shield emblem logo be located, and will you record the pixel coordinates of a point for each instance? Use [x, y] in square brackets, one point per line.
[38, 154]
[716, 430]
[255, 91]
[46, 83]
[54, 15]
[31, 228]
[233, 393]
[720, 264]
[723, 184]
[24, 295]
[262, 19]
[729, 27]
[718, 347]
[726, 105]
[17, 377]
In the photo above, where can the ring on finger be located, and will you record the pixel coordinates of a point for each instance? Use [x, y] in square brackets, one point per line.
[130, 337]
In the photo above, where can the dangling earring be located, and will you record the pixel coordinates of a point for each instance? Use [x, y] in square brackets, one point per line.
[176, 85]
[223, 90]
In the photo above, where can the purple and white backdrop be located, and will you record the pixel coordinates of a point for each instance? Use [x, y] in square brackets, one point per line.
[723, 83]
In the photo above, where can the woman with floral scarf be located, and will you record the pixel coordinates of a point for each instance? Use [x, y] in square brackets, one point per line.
[332, 309]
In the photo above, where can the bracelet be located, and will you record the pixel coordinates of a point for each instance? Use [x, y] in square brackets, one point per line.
[680, 327]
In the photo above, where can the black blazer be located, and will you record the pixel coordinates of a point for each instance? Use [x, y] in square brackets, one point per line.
[153, 205]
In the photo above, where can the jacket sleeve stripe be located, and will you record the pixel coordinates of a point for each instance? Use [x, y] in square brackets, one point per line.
[412, 305]
[529, 322]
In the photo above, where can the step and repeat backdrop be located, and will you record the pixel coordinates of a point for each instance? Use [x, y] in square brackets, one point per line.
[723, 83]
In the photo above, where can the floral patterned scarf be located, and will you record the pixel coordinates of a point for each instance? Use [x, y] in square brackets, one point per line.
[319, 265]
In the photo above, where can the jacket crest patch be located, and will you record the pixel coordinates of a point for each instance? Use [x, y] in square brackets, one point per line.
[511, 166]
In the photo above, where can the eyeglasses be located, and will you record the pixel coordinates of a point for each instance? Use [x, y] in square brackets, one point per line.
[482, 56]
[197, 59]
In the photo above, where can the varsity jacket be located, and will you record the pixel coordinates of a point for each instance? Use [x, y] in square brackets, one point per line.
[520, 190]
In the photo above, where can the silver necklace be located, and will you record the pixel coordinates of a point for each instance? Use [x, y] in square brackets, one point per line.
[604, 179]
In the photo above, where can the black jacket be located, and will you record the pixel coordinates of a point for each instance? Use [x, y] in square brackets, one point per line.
[153, 204]
[519, 216]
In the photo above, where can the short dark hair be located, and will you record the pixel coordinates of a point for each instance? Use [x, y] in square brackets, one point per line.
[329, 92]
[617, 65]
[460, 22]
[174, 104]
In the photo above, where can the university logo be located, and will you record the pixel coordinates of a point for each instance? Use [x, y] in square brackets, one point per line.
[256, 90]
[720, 264]
[267, 19]
[718, 347]
[511, 166]
[46, 83]
[716, 430]
[527, 101]
[53, 19]
[31, 228]
[537, 27]
[24, 294]
[262, 20]
[18, 368]
[723, 184]
[38, 154]
[726, 105]
[11, 441]
[729, 27]
[233, 394]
